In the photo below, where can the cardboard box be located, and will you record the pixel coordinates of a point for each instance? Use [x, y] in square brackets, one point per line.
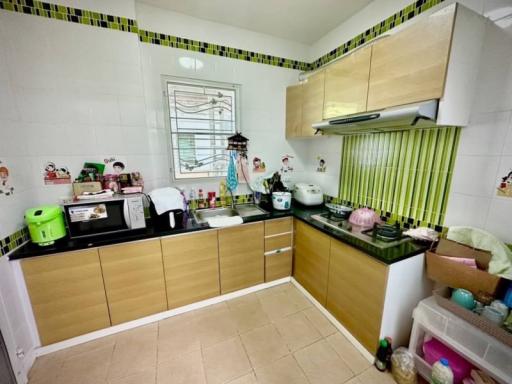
[91, 186]
[451, 248]
[456, 275]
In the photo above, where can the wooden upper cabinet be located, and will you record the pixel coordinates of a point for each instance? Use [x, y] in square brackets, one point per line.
[134, 279]
[293, 111]
[67, 294]
[357, 287]
[346, 84]
[241, 256]
[312, 102]
[191, 265]
[311, 260]
[410, 65]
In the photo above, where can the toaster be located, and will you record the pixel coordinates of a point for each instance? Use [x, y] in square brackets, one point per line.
[308, 194]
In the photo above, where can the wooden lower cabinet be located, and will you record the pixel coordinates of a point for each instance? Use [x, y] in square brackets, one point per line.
[311, 265]
[67, 294]
[134, 280]
[241, 256]
[355, 296]
[191, 266]
[278, 265]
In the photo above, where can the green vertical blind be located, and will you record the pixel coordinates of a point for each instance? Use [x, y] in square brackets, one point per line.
[404, 175]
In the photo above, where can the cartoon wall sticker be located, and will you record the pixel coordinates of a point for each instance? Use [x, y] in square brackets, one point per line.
[505, 186]
[258, 166]
[286, 166]
[321, 167]
[54, 175]
[114, 166]
[242, 167]
[6, 189]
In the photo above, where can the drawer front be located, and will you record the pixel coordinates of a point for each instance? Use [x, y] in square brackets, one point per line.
[278, 242]
[277, 226]
[278, 265]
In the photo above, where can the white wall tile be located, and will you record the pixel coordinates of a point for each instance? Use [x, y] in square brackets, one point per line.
[467, 210]
[485, 133]
[498, 219]
[475, 175]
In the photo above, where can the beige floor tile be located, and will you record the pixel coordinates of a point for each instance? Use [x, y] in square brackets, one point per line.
[133, 355]
[296, 297]
[186, 369]
[264, 345]
[373, 376]
[225, 361]
[285, 370]
[45, 368]
[297, 331]
[143, 334]
[250, 378]
[86, 368]
[272, 290]
[249, 316]
[215, 327]
[319, 321]
[146, 377]
[210, 310]
[176, 338]
[355, 360]
[104, 342]
[278, 305]
[251, 298]
[322, 365]
[175, 322]
[353, 380]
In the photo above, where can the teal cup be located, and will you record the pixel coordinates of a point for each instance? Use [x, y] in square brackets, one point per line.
[464, 298]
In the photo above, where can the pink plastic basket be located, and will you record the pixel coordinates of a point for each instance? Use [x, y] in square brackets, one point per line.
[434, 350]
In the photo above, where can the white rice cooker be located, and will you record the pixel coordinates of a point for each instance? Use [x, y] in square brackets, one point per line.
[281, 200]
[308, 194]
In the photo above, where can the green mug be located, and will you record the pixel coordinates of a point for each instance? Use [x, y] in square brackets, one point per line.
[464, 298]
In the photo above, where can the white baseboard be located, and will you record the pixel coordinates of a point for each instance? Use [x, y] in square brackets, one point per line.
[154, 318]
[336, 323]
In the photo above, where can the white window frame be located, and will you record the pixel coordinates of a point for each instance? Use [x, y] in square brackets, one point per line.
[165, 79]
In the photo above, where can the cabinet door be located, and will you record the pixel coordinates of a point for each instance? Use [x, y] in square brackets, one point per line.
[278, 265]
[134, 280]
[191, 266]
[357, 286]
[67, 294]
[311, 260]
[312, 102]
[293, 110]
[241, 256]
[346, 84]
[410, 65]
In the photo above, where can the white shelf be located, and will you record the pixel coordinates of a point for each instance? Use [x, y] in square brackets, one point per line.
[481, 349]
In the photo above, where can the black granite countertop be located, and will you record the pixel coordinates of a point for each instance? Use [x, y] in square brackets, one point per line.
[388, 255]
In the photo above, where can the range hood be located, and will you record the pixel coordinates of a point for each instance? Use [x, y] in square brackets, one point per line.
[410, 116]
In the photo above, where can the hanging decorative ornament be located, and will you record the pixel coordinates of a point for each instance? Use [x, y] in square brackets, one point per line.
[238, 143]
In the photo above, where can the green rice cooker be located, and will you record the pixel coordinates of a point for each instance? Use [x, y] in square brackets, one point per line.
[45, 224]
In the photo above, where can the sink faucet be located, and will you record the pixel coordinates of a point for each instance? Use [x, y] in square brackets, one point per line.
[232, 200]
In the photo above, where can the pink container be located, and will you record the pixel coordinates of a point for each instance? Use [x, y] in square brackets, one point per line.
[434, 350]
[364, 217]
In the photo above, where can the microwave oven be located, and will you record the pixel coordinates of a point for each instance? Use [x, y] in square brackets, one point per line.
[88, 218]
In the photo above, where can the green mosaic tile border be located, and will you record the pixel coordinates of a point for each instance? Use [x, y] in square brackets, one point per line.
[405, 14]
[13, 241]
[81, 16]
[73, 15]
[219, 50]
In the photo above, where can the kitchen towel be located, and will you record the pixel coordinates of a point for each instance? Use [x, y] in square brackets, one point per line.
[232, 179]
[167, 199]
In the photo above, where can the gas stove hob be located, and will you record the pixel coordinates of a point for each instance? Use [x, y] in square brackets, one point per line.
[380, 236]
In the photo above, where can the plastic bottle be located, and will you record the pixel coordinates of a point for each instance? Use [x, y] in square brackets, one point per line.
[200, 202]
[211, 200]
[192, 200]
[382, 354]
[441, 372]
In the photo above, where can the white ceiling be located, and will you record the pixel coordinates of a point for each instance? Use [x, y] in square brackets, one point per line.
[303, 21]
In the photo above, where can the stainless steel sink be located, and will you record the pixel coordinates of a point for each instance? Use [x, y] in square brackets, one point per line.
[245, 210]
[202, 215]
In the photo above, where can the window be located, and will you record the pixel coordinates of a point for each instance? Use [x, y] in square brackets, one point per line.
[202, 116]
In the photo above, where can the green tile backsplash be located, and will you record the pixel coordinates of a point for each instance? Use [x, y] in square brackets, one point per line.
[405, 176]
[13, 241]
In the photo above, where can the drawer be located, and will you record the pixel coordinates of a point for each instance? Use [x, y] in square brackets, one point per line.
[277, 226]
[278, 265]
[278, 242]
